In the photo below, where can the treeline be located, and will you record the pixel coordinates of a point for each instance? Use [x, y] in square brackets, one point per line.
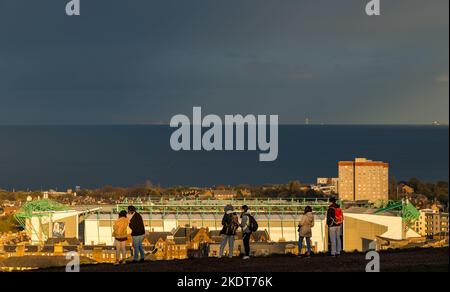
[146, 189]
[433, 191]
[293, 189]
[14, 196]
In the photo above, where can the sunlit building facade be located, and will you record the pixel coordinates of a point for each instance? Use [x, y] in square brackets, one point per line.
[363, 179]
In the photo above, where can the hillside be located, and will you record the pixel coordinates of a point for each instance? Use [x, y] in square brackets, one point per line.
[416, 260]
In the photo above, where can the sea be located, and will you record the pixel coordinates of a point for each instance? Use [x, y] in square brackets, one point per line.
[61, 157]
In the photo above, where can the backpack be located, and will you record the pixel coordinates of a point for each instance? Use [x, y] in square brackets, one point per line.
[338, 216]
[232, 224]
[252, 224]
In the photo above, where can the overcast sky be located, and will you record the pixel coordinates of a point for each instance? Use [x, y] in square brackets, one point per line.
[143, 61]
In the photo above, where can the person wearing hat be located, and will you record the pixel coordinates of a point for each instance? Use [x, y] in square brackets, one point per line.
[230, 223]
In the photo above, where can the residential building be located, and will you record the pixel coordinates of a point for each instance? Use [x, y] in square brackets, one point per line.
[333, 181]
[407, 190]
[192, 236]
[363, 179]
[325, 189]
[224, 194]
[432, 224]
[261, 249]
[180, 244]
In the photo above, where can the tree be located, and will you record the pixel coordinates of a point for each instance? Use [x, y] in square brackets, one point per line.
[295, 186]
[393, 189]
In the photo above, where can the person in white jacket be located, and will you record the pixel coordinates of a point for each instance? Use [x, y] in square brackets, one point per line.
[305, 231]
[246, 231]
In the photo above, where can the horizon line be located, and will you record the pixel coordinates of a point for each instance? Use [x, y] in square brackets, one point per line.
[168, 124]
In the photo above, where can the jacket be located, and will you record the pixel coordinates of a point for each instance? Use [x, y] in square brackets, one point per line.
[245, 221]
[230, 223]
[331, 216]
[137, 225]
[120, 228]
[306, 224]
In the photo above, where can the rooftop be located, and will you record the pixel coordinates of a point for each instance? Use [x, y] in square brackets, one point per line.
[200, 216]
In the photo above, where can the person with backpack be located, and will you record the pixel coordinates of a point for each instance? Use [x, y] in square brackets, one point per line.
[248, 225]
[230, 223]
[335, 219]
[305, 231]
[137, 233]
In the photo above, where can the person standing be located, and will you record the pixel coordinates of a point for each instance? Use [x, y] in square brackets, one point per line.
[305, 231]
[335, 219]
[248, 226]
[137, 233]
[120, 234]
[230, 224]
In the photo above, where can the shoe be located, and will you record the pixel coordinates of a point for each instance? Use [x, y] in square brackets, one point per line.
[230, 257]
[123, 263]
[142, 261]
[246, 258]
[116, 263]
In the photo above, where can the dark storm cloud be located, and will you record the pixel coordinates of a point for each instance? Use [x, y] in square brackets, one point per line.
[142, 61]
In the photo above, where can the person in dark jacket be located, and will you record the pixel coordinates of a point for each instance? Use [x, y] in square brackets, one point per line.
[230, 223]
[137, 233]
[334, 228]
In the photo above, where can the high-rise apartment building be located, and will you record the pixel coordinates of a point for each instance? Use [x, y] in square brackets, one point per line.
[363, 179]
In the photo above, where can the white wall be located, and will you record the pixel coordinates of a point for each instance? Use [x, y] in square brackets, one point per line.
[393, 223]
[97, 235]
[169, 225]
[103, 235]
[35, 224]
